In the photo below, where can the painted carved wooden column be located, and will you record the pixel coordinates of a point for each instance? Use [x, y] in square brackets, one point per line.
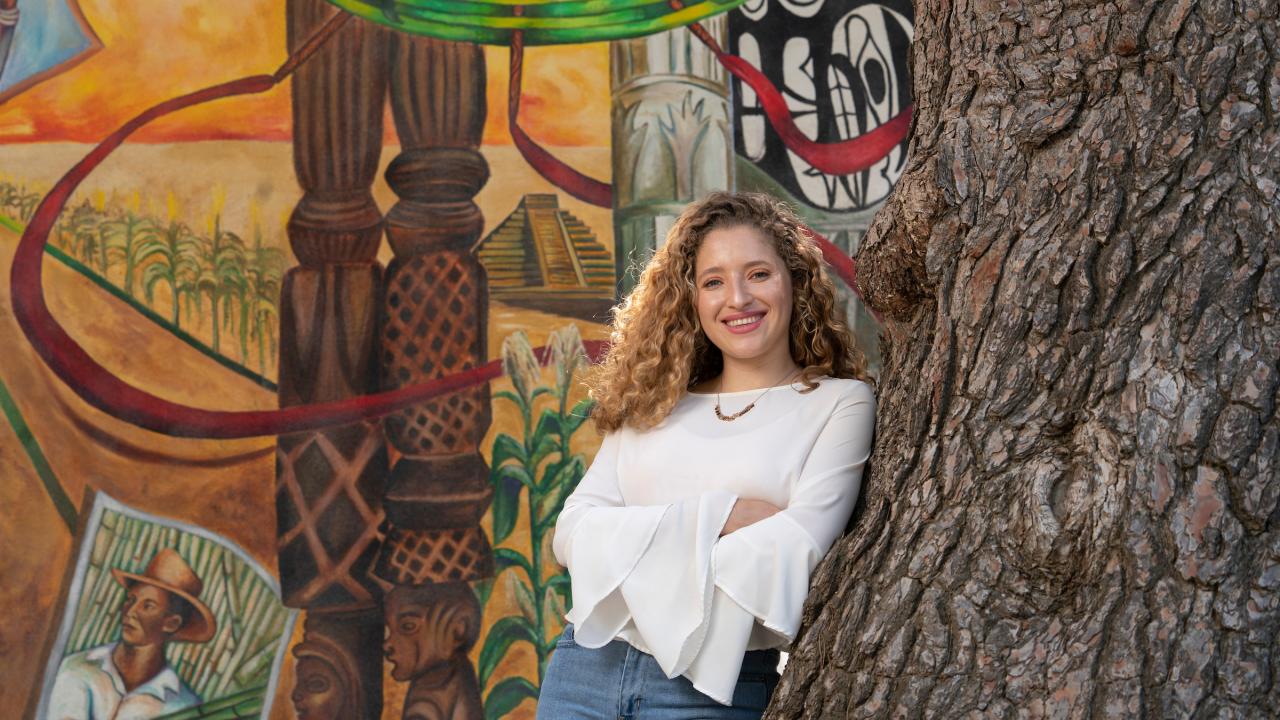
[330, 483]
[434, 325]
[672, 137]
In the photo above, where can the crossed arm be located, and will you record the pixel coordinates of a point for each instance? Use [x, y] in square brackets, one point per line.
[816, 512]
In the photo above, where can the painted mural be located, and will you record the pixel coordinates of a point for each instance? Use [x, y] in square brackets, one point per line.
[211, 616]
[311, 332]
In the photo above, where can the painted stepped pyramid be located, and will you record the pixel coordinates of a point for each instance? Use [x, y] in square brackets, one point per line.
[544, 258]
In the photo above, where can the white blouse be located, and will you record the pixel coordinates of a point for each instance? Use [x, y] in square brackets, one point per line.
[641, 533]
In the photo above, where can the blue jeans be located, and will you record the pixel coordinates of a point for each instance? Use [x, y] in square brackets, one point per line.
[618, 681]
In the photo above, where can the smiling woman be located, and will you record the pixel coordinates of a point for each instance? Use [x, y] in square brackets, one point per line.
[744, 305]
[691, 538]
[730, 258]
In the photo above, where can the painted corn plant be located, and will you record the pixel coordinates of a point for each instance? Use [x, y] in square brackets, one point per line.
[536, 472]
[114, 243]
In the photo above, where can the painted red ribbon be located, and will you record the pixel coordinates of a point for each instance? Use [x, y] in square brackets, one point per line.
[836, 158]
[586, 189]
[833, 158]
[100, 388]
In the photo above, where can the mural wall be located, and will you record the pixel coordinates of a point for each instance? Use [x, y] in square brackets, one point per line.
[221, 657]
[426, 211]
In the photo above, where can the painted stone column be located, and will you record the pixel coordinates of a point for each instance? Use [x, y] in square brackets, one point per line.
[434, 325]
[330, 482]
[672, 137]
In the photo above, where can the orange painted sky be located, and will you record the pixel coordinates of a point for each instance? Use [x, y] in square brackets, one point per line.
[156, 49]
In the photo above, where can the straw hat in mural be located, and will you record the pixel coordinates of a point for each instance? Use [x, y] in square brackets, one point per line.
[168, 571]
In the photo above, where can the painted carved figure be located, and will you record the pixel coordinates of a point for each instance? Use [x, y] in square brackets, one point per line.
[327, 686]
[430, 629]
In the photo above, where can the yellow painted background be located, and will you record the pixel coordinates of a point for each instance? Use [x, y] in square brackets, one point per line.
[156, 49]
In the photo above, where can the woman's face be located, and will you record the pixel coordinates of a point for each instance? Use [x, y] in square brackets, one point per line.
[743, 295]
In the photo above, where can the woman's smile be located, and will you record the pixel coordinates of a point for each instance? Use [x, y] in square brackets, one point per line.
[742, 323]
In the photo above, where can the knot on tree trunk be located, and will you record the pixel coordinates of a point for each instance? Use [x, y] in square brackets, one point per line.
[891, 261]
[1065, 508]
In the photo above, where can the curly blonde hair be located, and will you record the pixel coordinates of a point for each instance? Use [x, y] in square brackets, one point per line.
[658, 350]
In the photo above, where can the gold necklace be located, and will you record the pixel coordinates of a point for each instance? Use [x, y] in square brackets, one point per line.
[747, 409]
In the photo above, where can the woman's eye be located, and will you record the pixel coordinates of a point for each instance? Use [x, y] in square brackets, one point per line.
[711, 284]
[760, 275]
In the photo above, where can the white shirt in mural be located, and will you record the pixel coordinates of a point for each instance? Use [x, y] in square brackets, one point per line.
[89, 687]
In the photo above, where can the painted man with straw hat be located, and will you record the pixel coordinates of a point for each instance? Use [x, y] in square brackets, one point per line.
[131, 679]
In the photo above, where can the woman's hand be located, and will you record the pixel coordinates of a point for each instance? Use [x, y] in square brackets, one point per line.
[746, 512]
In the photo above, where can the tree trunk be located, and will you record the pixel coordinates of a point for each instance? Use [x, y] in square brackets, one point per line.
[1071, 507]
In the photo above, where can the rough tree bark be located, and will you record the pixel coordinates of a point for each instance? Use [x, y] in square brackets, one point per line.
[1072, 506]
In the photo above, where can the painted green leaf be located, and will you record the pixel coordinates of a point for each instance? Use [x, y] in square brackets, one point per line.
[549, 474]
[548, 424]
[543, 445]
[573, 475]
[563, 482]
[504, 558]
[506, 503]
[507, 448]
[501, 636]
[580, 413]
[515, 472]
[560, 583]
[524, 598]
[506, 696]
[508, 395]
[483, 589]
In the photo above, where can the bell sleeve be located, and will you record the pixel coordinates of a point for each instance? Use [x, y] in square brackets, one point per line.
[765, 567]
[645, 564]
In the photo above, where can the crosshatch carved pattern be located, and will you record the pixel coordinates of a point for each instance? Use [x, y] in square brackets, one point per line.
[418, 557]
[433, 329]
[329, 487]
